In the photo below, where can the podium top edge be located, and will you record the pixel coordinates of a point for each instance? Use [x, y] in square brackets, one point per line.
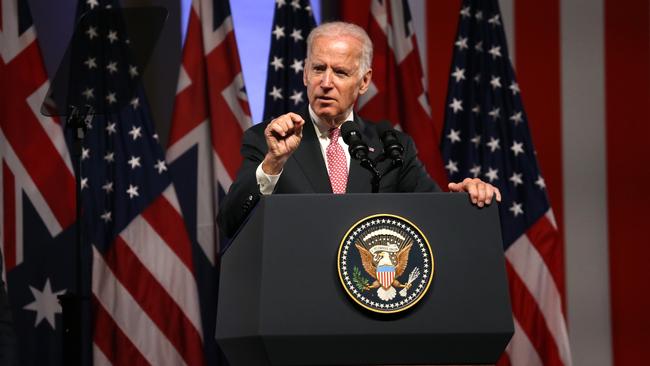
[391, 194]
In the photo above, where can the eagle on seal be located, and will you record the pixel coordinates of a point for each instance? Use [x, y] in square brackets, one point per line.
[385, 267]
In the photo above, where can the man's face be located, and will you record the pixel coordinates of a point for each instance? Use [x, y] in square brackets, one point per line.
[332, 77]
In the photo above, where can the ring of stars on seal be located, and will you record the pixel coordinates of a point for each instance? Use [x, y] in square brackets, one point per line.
[385, 263]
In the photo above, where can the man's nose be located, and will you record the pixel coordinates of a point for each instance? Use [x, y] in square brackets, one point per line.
[326, 80]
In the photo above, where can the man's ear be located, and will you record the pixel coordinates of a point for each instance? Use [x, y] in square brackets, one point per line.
[304, 72]
[365, 82]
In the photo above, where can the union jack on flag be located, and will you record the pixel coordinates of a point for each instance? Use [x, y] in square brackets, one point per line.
[37, 191]
[211, 112]
[33, 152]
[486, 135]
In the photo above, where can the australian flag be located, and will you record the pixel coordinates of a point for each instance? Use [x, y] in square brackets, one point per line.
[285, 91]
[37, 196]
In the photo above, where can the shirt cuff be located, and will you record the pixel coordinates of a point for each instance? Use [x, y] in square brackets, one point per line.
[266, 182]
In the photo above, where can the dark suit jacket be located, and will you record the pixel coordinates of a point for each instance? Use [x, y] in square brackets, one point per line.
[306, 172]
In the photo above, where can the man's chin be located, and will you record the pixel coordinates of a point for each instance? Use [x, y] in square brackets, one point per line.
[326, 113]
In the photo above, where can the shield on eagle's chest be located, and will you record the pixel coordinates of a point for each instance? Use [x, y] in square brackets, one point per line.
[385, 276]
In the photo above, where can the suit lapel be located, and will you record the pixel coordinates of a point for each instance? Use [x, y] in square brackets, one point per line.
[310, 158]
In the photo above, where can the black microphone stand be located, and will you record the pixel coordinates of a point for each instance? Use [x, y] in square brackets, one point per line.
[376, 175]
[359, 151]
[393, 149]
[72, 302]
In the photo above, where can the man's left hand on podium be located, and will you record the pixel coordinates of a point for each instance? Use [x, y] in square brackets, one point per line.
[480, 193]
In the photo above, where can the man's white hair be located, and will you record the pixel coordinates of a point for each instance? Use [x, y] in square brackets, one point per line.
[333, 29]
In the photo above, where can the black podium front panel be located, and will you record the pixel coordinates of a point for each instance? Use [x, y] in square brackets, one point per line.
[281, 301]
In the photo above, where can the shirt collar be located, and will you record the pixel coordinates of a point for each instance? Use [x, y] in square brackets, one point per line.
[321, 127]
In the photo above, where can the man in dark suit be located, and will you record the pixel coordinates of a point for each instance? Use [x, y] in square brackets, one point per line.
[302, 153]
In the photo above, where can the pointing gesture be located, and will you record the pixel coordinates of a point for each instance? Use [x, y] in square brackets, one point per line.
[283, 136]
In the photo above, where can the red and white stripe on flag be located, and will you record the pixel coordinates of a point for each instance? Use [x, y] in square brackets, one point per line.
[34, 158]
[397, 91]
[574, 62]
[142, 315]
[534, 250]
[541, 332]
[211, 110]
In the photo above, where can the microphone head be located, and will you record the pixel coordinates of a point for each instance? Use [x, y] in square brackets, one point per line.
[349, 129]
[352, 137]
[392, 146]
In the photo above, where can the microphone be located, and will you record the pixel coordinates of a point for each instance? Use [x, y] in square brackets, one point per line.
[392, 147]
[352, 136]
[359, 151]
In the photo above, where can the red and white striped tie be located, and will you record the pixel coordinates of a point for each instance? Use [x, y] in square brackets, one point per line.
[337, 164]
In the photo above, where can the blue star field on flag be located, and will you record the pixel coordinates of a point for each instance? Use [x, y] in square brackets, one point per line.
[285, 91]
[486, 132]
[123, 166]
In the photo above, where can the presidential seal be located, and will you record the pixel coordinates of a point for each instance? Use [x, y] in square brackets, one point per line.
[385, 263]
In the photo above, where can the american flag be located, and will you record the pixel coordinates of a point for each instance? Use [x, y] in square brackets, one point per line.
[398, 89]
[210, 116]
[285, 91]
[144, 294]
[486, 135]
[37, 191]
